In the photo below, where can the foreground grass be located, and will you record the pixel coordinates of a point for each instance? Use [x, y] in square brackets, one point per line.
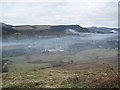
[51, 78]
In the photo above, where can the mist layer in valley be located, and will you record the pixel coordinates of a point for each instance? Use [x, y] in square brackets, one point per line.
[68, 43]
[26, 46]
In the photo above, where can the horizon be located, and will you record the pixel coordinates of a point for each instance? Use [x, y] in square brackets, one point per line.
[58, 25]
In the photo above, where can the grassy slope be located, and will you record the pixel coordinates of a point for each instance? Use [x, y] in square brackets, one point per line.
[67, 76]
[51, 78]
[91, 54]
[21, 62]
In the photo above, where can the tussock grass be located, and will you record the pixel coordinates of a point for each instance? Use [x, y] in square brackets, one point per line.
[51, 78]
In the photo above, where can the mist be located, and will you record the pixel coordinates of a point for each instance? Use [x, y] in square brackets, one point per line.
[57, 44]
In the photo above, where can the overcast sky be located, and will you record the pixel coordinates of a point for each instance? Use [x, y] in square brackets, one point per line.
[84, 13]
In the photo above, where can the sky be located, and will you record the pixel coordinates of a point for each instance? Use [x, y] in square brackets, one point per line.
[56, 12]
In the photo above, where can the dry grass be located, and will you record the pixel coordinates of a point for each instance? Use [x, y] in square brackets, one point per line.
[51, 78]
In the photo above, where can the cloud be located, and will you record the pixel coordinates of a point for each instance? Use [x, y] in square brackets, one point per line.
[59, 0]
[82, 13]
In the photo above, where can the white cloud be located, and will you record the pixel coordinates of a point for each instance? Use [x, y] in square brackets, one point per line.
[83, 13]
[59, 0]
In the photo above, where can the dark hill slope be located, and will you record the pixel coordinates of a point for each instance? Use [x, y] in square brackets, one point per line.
[30, 31]
[39, 30]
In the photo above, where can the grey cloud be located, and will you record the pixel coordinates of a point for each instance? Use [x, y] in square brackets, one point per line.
[83, 13]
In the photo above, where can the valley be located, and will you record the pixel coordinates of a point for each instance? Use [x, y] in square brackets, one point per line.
[82, 57]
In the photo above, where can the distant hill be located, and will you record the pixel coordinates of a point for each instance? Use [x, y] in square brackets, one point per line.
[42, 30]
[7, 30]
[38, 30]
[95, 29]
[49, 30]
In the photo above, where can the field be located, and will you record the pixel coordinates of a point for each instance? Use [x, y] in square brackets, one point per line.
[90, 68]
[45, 60]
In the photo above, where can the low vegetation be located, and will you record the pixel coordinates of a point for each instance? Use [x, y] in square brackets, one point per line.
[19, 63]
[53, 78]
[82, 70]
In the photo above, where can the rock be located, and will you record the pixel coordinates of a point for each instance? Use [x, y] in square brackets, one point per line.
[104, 75]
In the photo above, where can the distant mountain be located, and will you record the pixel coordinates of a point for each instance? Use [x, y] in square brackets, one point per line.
[23, 31]
[5, 25]
[7, 30]
[38, 30]
[95, 29]
[49, 30]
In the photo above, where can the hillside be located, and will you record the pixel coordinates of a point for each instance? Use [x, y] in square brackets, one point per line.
[37, 30]
[87, 71]
[51, 78]
[29, 31]
[95, 29]
[7, 30]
